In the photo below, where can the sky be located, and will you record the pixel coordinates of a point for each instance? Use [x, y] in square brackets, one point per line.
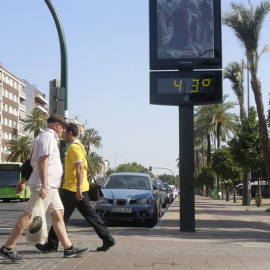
[108, 71]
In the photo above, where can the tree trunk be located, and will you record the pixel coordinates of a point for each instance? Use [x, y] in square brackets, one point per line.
[208, 149]
[256, 87]
[245, 186]
[259, 183]
[234, 193]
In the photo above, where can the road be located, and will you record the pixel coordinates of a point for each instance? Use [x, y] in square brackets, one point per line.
[10, 211]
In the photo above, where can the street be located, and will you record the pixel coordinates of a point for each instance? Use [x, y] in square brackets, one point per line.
[11, 211]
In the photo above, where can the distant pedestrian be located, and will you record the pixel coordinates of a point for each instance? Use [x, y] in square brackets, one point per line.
[74, 193]
[44, 183]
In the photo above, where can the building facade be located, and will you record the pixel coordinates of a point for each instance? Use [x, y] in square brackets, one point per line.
[12, 109]
[17, 100]
[34, 99]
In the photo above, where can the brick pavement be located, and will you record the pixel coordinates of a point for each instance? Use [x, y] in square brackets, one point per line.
[228, 236]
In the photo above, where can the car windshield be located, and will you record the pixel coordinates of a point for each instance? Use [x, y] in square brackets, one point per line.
[126, 182]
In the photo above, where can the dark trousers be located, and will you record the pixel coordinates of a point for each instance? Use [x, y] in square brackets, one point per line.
[70, 203]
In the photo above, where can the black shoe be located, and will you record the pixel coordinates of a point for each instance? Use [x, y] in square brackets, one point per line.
[106, 246]
[70, 253]
[46, 248]
[11, 255]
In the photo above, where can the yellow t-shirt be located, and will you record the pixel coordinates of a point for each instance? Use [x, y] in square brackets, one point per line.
[75, 153]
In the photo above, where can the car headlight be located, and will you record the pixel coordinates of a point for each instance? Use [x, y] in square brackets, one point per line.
[142, 201]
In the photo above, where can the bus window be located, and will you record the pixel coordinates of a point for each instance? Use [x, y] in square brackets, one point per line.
[10, 176]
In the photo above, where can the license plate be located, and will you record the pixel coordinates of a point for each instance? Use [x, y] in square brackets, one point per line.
[121, 210]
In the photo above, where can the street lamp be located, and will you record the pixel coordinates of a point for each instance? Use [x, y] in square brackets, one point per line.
[150, 169]
[64, 69]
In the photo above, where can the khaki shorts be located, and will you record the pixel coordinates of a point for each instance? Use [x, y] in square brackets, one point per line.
[52, 201]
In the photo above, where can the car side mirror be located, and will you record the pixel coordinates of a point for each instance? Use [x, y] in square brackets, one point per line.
[155, 187]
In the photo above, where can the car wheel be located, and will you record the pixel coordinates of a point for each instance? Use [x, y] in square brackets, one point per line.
[155, 217]
[164, 205]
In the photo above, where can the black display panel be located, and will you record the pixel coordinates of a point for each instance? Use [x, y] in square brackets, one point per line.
[185, 87]
[185, 34]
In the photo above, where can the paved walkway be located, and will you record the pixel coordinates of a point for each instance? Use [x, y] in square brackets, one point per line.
[228, 236]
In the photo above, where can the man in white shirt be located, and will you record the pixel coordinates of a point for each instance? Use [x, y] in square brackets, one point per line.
[44, 183]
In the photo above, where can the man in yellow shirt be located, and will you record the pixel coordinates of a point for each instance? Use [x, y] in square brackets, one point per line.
[74, 193]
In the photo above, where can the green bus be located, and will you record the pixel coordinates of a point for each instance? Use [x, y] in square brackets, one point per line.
[10, 176]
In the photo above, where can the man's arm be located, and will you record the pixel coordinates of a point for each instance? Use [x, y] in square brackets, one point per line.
[20, 187]
[43, 174]
[79, 177]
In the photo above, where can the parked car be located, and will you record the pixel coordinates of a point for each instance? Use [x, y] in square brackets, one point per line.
[157, 185]
[169, 193]
[162, 191]
[129, 196]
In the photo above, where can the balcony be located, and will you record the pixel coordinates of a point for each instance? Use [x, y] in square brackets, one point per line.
[41, 99]
[45, 110]
[22, 107]
[22, 95]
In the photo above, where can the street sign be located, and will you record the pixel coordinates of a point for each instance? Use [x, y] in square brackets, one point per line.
[185, 87]
[185, 34]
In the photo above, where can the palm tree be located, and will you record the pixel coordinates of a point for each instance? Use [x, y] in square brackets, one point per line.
[235, 73]
[35, 122]
[247, 25]
[215, 120]
[204, 127]
[96, 162]
[19, 149]
[91, 137]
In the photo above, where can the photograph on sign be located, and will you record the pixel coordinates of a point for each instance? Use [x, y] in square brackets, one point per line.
[185, 33]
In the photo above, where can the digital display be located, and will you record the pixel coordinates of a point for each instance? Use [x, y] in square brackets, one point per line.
[186, 85]
[185, 34]
[183, 87]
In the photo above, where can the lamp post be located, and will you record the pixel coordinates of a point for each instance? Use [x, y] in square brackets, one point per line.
[64, 70]
[63, 51]
[150, 169]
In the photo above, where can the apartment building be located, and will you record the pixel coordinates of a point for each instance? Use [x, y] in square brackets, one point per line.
[34, 99]
[12, 109]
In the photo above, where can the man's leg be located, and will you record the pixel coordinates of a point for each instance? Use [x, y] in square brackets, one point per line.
[69, 203]
[60, 228]
[7, 251]
[96, 222]
[18, 228]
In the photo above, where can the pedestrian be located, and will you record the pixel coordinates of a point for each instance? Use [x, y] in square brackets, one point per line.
[74, 193]
[44, 183]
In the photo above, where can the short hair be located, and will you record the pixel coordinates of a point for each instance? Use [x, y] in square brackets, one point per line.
[56, 118]
[73, 128]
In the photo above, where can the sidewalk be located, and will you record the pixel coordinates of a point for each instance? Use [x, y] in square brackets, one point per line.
[228, 236]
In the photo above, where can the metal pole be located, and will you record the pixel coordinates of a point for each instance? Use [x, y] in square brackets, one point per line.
[186, 168]
[63, 51]
[249, 174]
[165, 169]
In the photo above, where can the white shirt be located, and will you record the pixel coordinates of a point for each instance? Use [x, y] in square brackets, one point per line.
[46, 143]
